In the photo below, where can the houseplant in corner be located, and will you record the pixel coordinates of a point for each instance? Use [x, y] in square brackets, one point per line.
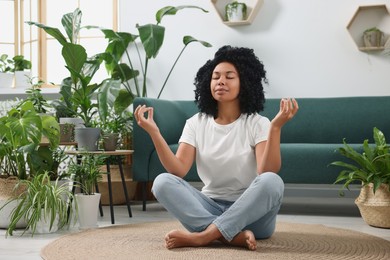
[87, 174]
[371, 167]
[43, 205]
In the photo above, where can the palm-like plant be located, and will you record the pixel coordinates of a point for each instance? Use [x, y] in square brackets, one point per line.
[371, 166]
[87, 172]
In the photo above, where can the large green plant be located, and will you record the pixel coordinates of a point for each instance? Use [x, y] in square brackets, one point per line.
[370, 166]
[21, 130]
[42, 200]
[20, 63]
[77, 91]
[151, 37]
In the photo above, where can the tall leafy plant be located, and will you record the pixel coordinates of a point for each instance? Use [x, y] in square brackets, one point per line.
[77, 90]
[151, 38]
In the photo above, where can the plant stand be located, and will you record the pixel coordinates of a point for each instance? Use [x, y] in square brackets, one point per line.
[375, 208]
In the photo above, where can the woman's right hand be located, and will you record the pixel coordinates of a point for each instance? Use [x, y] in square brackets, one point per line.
[147, 123]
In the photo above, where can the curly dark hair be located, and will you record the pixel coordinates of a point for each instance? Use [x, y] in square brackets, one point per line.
[251, 73]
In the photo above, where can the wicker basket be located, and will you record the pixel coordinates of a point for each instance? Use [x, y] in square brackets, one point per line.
[375, 208]
[7, 188]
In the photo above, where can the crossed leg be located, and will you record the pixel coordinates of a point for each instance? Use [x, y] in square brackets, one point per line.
[180, 238]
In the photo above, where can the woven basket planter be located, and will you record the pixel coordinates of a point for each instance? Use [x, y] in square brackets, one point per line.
[375, 208]
[7, 190]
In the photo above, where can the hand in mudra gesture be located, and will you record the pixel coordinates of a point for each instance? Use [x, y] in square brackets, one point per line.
[288, 108]
[145, 122]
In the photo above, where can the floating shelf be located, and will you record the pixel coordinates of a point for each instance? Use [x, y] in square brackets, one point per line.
[367, 17]
[253, 7]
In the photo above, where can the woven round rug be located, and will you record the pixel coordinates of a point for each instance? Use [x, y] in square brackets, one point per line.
[146, 241]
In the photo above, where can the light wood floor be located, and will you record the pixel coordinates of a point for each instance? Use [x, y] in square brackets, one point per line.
[26, 247]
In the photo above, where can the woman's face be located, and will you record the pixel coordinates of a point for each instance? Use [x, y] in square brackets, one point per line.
[225, 82]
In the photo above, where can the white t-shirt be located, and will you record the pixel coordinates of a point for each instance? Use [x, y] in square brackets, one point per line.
[225, 154]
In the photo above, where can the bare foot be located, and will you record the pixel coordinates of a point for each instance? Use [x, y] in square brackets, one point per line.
[180, 238]
[245, 239]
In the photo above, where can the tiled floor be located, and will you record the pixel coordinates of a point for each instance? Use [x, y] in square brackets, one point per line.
[26, 247]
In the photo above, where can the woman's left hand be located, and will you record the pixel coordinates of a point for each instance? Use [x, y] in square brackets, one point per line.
[288, 108]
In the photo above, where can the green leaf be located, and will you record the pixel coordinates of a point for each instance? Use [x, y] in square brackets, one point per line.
[152, 38]
[75, 56]
[171, 10]
[123, 72]
[55, 32]
[188, 39]
[72, 24]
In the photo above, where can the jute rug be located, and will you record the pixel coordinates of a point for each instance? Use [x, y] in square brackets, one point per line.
[146, 241]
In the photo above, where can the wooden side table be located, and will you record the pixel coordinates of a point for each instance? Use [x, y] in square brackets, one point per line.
[116, 155]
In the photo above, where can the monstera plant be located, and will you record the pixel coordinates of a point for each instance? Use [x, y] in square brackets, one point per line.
[21, 131]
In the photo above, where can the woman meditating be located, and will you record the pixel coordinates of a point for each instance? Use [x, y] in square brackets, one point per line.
[237, 154]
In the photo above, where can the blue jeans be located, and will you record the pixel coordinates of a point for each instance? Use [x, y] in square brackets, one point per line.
[256, 209]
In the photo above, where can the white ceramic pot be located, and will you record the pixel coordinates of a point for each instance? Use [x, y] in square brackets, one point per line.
[6, 80]
[87, 208]
[22, 79]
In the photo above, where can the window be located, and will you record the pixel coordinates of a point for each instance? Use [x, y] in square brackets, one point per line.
[44, 51]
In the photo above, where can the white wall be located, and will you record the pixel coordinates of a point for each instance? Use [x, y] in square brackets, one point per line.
[304, 45]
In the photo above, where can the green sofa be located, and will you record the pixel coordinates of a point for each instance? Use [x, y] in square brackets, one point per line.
[309, 141]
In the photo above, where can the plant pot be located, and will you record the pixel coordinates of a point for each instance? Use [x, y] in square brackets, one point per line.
[110, 141]
[66, 133]
[373, 39]
[43, 225]
[87, 138]
[22, 79]
[88, 206]
[235, 12]
[7, 191]
[375, 208]
[6, 80]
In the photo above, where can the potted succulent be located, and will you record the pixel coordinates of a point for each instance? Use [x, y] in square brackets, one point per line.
[235, 11]
[44, 205]
[87, 174]
[6, 71]
[22, 71]
[373, 37]
[371, 168]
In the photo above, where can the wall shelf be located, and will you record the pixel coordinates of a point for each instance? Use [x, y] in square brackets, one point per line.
[253, 7]
[366, 17]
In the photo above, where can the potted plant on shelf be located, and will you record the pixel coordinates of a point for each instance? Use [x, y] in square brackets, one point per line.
[373, 37]
[371, 168]
[87, 174]
[6, 71]
[44, 205]
[22, 71]
[235, 11]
